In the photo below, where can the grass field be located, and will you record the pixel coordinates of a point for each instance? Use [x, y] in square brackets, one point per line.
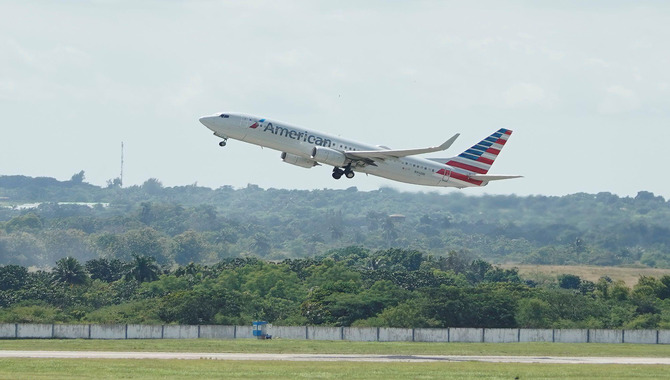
[339, 347]
[218, 369]
[586, 272]
[211, 369]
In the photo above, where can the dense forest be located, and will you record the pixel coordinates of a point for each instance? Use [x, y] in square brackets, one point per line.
[43, 220]
[346, 287]
[74, 252]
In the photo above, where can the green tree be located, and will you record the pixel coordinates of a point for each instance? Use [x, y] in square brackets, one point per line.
[534, 313]
[147, 242]
[664, 291]
[569, 281]
[143, 269]
[14, 277]
[107, 270]
[399, 259]
[188, 247]
[78, 178]
[260, 245]
[407, 315]
[390, 231]
[27, 222]
[190, 307]
[68, 270]
[152, 186]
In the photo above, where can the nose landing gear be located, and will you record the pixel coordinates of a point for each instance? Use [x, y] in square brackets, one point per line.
[223, 142]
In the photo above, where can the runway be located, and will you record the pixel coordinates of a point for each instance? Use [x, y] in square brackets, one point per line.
[330, 357]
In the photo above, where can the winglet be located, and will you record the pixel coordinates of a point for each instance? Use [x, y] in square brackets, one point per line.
[449, 142]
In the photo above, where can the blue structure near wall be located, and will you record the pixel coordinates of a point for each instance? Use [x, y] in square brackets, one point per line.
[260, 330]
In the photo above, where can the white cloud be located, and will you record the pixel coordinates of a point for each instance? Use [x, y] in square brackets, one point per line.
[597, 63]
[525, 94]
[618, 99]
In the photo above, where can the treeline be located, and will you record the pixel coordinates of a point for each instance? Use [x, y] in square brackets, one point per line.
[183, 224]
[347, 287]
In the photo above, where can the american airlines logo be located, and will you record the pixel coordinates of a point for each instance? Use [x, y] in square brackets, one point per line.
[255, 125]
[292, 133]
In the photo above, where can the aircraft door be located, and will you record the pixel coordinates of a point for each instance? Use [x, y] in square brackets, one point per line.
[245, 124]
[446, 175]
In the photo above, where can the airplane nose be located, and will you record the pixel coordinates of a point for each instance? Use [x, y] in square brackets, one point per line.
[207, 121]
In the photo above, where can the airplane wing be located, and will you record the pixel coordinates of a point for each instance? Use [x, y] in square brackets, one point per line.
[369, 156]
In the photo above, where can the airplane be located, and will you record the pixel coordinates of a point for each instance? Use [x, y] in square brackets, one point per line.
[308, 148]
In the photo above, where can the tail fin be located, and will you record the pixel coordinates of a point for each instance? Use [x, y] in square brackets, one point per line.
[480, 157]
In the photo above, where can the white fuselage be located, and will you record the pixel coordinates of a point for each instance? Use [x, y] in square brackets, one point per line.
[300, 142]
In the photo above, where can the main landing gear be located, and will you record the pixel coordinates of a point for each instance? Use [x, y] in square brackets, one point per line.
[337, 172]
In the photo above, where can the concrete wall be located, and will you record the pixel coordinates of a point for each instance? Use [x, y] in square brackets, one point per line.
[457, 334]
[360, 334]
[390, 334]
[288, 332]
[181, 332]
[324, 333]
[145, 331]
[536, 335]
[108, 331]
[25, 330]
[431, 335]
[605, 336]
[245, 332]
[640, 336]
[368, 334]
[501, 335]
[7, 330]
[71, 331]
[217, 332]
[570, 336]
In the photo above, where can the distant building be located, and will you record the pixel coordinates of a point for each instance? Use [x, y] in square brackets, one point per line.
[397, 218]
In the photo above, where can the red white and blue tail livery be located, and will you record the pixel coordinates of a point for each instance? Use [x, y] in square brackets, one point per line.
[480, 157]
[308, 148]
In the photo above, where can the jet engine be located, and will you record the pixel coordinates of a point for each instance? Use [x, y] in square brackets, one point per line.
[297, 160]
[328, 156]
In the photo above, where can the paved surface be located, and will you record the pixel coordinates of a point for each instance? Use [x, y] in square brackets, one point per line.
[330, 357]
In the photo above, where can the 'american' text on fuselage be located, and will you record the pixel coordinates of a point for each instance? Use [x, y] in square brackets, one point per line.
[297, 135]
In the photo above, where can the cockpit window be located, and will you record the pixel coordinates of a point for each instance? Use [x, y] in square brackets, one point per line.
[223, 115]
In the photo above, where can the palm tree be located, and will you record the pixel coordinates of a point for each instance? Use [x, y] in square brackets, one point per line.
[143, 268]
[68, 270]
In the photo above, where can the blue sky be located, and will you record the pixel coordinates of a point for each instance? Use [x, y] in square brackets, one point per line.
[586, 88]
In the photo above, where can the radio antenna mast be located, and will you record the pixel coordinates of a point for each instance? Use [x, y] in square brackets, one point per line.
[121, 177]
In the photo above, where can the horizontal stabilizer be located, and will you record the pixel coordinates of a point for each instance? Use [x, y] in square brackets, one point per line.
[391, 153]
[492, 177]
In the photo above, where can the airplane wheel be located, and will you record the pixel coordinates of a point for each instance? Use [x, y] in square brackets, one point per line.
[337, 175]
[222, 143]
[350, 174]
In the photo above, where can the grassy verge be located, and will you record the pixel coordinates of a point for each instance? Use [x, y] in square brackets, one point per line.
[339, 347]
[208, 369]
[589, 272]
